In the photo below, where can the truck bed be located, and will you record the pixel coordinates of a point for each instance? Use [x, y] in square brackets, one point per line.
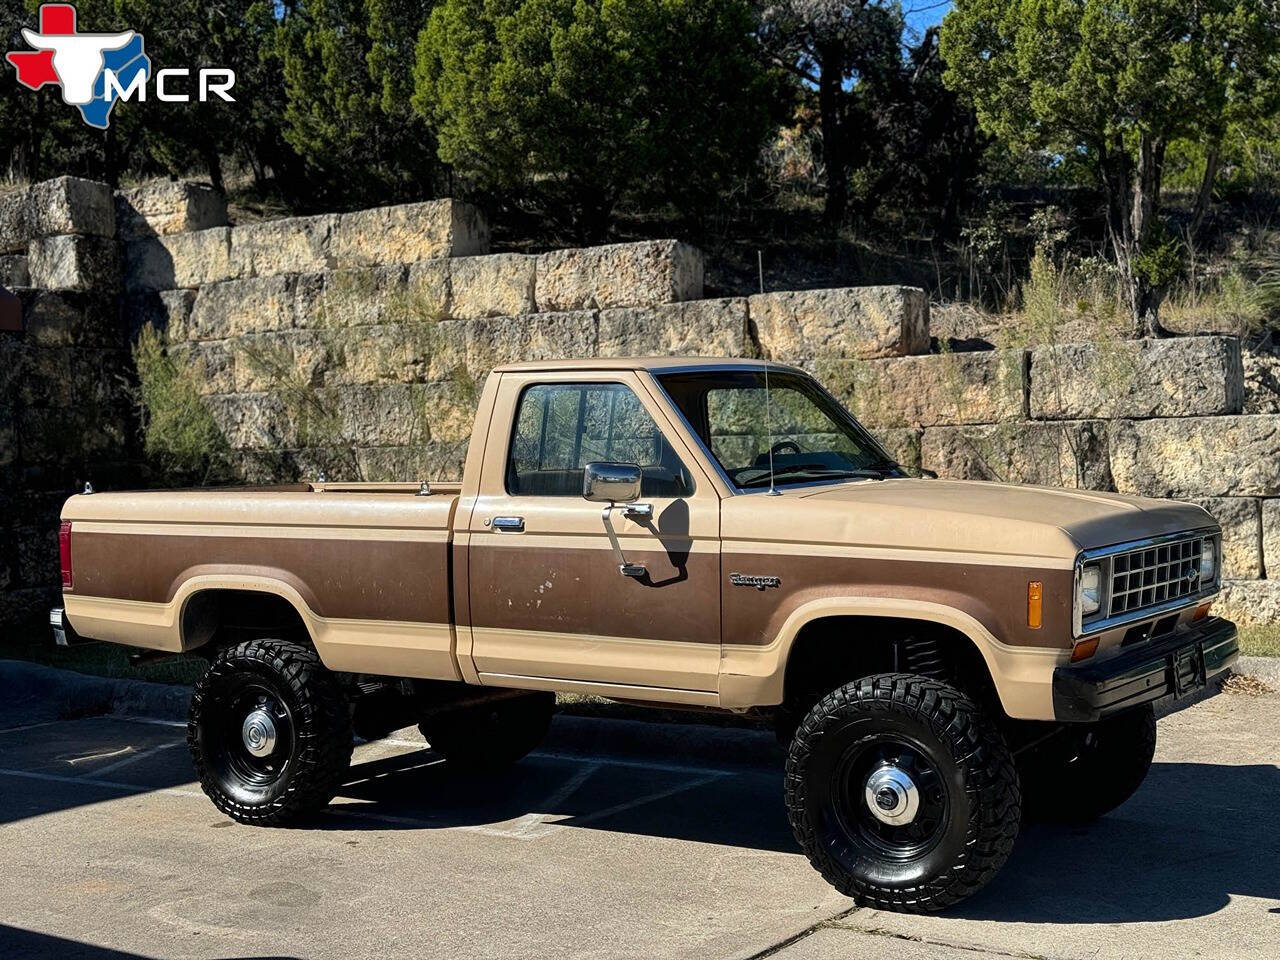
[367, 565]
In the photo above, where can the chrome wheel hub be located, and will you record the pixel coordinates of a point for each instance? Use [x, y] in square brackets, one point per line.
[892, 796]
[259, 733]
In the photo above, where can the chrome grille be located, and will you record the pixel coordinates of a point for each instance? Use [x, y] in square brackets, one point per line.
[1154, 575]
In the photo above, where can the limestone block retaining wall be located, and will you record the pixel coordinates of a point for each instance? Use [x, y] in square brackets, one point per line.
[65, 416]
[354, 345]
[385, 235]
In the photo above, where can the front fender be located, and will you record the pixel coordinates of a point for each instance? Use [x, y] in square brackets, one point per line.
[1023, 676]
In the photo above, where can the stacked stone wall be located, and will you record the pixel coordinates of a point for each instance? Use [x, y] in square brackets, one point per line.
[354, 345]
[1154, 418]
[66, 411]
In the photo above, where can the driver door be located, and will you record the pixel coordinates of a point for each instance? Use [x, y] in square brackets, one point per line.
[547, 598]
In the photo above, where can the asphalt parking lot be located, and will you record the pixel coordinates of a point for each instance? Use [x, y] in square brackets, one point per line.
[108, 851]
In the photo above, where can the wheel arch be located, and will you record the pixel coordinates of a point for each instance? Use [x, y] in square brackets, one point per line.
[225, 613]
[1021, 676]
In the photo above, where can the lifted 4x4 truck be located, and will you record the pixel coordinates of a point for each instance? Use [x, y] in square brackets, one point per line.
[939, 657]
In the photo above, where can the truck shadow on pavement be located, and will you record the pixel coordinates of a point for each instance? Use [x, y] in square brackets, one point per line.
[740, 807]
[1193, 837]
[16, 943]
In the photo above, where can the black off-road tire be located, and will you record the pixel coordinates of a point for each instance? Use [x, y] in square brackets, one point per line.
[311, 717]
[1087, 770]
[969, 812]
[490, 736]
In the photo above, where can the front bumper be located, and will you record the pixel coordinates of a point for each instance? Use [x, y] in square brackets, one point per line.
[1177, 665]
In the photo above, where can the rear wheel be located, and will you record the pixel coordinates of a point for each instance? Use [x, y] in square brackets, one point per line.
[491, 735]
[1089, 769]
[269, 732]
[901, 794]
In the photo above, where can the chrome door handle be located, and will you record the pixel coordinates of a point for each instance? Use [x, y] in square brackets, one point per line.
[509, 524]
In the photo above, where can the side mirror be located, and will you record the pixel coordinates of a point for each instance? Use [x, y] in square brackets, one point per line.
[611, 482]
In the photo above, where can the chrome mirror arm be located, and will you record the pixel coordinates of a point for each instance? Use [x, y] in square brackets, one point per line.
[630, 511]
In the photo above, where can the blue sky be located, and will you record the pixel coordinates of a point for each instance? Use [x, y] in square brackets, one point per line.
[925, 13]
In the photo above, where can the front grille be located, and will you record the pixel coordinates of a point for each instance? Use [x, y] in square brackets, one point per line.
[1154, 575]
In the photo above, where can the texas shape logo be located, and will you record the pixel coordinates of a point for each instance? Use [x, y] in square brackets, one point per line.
[93, 69]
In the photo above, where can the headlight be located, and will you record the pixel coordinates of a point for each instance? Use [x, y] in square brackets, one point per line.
[1208, 560]
[1090, 589]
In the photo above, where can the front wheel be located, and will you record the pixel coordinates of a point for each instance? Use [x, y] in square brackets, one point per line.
[1089, 769]
[269, 732]
[901, 794]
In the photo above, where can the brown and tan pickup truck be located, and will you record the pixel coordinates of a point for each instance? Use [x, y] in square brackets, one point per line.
[939, 657]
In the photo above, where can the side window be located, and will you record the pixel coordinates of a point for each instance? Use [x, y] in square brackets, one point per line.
[561, 427]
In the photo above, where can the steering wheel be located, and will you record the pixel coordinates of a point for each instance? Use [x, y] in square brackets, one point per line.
[784, 446]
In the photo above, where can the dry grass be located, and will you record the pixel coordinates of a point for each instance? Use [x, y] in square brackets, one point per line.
[1260, 641]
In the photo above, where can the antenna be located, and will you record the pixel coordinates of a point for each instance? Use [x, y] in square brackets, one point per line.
[768, 408]
[768, 426]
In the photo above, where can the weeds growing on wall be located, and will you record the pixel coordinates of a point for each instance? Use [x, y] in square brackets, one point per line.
[375, 329]
[182, 441]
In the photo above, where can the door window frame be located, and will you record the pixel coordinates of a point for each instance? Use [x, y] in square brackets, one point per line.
[583, 387]
[707, 484]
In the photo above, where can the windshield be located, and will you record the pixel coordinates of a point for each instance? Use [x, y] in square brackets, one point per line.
[813, 439]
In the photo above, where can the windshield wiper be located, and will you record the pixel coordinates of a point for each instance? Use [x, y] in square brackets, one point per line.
[885, 464]
[808, 470]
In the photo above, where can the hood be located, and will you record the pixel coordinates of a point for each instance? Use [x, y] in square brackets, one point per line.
[966, 516]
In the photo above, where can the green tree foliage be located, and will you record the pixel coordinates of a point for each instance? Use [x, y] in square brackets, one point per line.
[180, 137]
[580, 104]
[848, 52]
[1118, 82]
[347, 68]
[921, 152]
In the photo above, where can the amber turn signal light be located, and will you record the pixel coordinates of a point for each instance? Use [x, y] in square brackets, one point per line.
[1035, 604]
[1202, 611]
[1084, 650]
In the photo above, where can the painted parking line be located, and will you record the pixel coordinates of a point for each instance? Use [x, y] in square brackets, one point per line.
[530, 826]
[135, 756]
[97, 782]
[31, 726]
[527, 826]
[579, 820]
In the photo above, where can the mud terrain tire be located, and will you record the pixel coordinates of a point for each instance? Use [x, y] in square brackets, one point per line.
[490, 736]
[269, 731]
[1088, 769]
[921, 735]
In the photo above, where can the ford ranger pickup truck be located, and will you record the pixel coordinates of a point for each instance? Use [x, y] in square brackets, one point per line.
[938, 657]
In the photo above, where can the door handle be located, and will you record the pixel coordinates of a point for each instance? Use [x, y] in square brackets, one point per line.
[509, 524]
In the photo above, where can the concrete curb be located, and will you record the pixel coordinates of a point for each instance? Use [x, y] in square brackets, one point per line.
[1264, 668]
[66, 694]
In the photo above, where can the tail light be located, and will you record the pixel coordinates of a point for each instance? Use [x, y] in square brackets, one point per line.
[64, 553]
